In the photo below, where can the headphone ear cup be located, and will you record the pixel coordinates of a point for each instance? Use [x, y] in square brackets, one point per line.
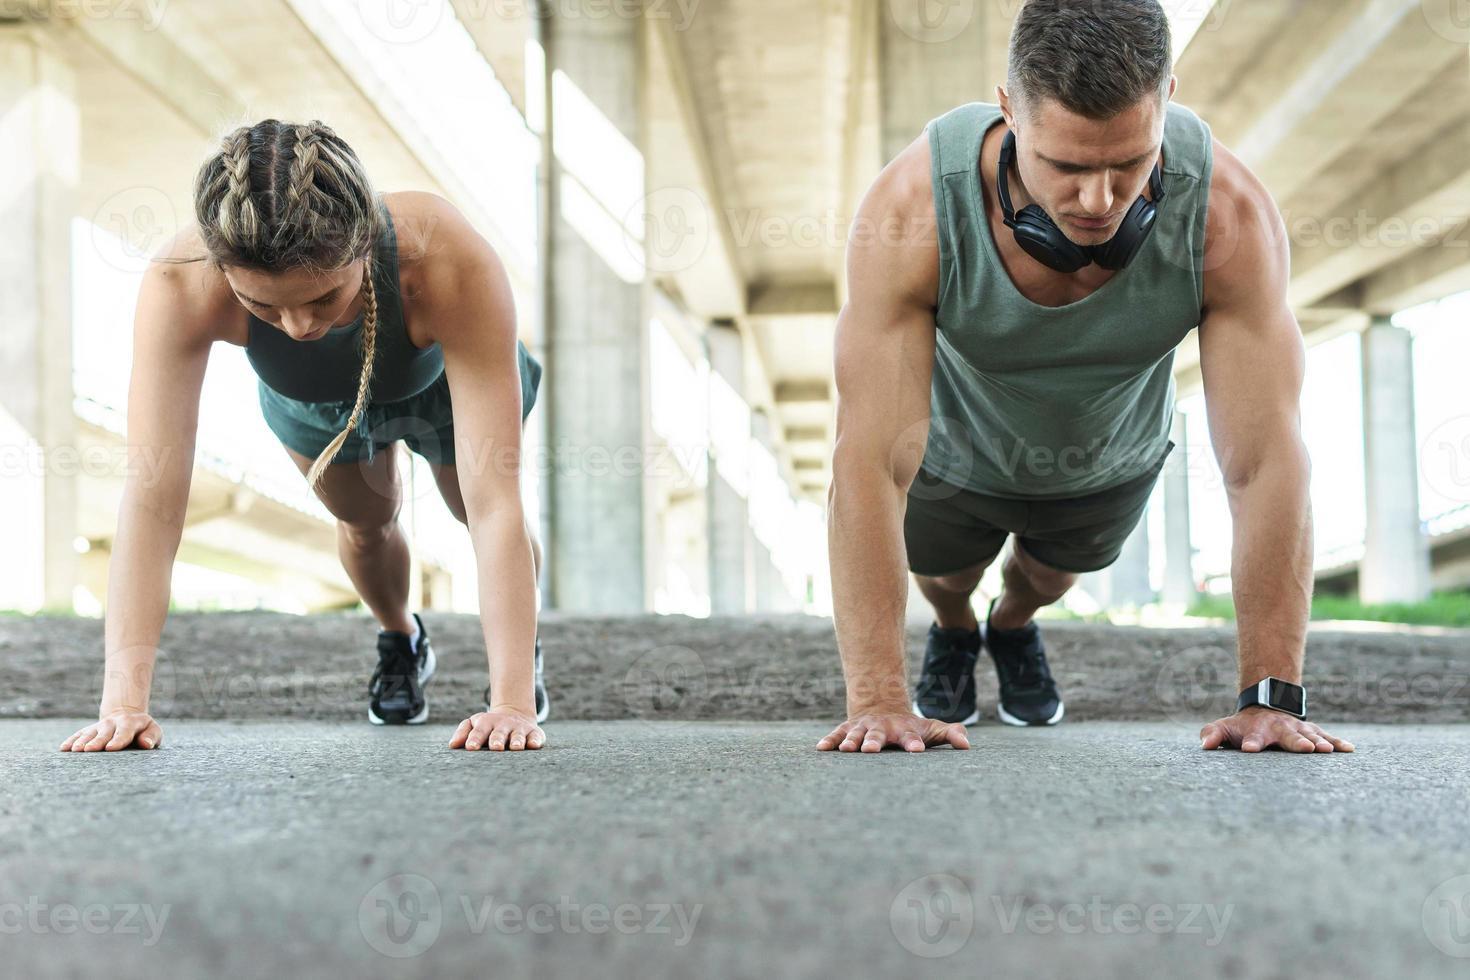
[1124, 246]
[1040, 237]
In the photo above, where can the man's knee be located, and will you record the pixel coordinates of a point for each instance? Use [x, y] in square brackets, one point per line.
[962, 582]
[1042, 577]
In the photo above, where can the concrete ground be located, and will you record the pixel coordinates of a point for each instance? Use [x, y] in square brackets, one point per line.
[663, 849]
[270, 666]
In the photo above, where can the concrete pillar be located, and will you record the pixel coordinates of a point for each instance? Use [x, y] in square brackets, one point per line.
[40, 158]
[731, 572]
[1179, 588]
[932, 56]
[1395, 564]
[596, 348]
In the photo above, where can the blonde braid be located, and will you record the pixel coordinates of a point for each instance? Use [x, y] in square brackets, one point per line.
[303, 172]
[364, 382]
[239, 221]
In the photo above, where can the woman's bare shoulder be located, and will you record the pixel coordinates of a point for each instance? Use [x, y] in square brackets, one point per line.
[185, 292]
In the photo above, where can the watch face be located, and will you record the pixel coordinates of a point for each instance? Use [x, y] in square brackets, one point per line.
[1287, 697]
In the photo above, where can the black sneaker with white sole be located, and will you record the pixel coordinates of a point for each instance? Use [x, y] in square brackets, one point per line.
[543, 704]
[946, 689]
[396, 693]
[1028, 695]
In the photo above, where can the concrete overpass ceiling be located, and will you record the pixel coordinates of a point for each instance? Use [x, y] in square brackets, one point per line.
[768, 77]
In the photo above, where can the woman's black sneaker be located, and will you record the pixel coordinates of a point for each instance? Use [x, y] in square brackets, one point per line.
[946, 690]
[1028, 695]
[396, 693]
[543, 704]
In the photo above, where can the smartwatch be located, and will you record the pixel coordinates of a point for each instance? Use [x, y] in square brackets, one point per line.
[1276, 694]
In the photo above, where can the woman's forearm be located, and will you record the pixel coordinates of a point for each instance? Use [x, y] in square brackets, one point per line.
[507, 606]
[138, 588]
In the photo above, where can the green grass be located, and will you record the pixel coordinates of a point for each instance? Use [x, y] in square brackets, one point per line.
[1441, 609]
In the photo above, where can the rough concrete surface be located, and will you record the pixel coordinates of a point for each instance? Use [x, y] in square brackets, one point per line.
[666, 849]
[269, 666]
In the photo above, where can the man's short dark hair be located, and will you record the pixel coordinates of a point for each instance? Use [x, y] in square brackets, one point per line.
[1096, 57]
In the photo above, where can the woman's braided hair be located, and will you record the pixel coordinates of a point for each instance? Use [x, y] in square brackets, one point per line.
[278, 196]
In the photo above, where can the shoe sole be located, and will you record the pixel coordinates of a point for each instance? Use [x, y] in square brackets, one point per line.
[1011, 719]
[426, 675]
[972, 719]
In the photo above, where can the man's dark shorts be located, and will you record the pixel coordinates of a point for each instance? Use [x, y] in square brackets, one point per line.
[424, 421]
[949, 529]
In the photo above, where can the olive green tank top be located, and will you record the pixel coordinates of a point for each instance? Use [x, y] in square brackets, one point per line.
[328, 369]
[1046, 402]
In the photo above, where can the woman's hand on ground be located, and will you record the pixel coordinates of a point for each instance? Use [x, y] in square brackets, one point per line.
[499, 730]
[121, 729]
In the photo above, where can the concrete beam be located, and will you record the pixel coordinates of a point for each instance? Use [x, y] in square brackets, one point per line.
[711, 283]
[807, 433]
[40, 155]
[160, 63]
[803, 392]
[1427, 275]
[805, 299]
[1225, 56]
[1410, 207]
[1353, 66]
[500, 31]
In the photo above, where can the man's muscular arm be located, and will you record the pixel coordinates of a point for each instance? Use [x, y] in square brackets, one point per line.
[884, 360]
[1252, 360]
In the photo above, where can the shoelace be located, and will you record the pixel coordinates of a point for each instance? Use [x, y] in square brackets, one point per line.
[393, 663]
[1028, 669]
[950, 659]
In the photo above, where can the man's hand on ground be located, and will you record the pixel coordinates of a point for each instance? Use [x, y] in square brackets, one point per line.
[1257, 728]
[872, 732]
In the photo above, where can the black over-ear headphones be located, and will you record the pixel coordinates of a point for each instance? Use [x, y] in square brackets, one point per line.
[1046, 243]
